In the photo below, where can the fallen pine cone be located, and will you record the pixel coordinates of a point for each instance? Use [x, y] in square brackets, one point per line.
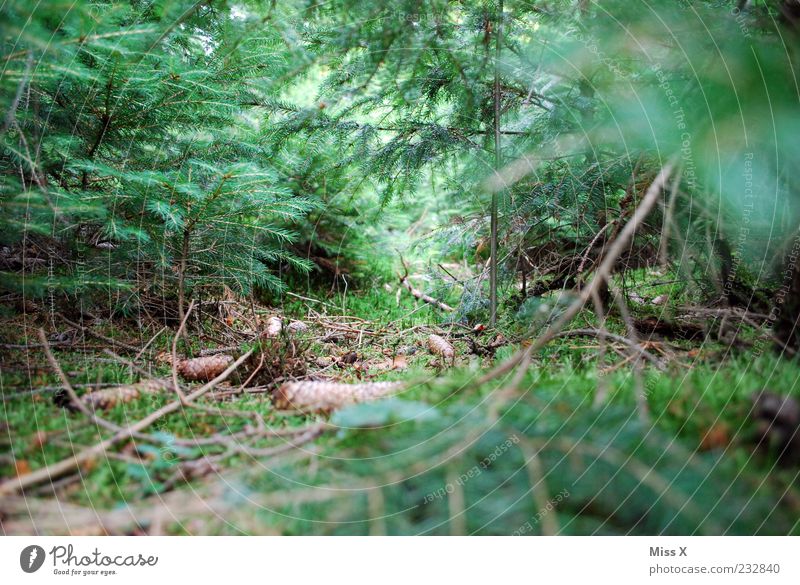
[440, 346]
[298, 327]
[327, 396]
[274, 326]
[660, 300]
[109, 397]
[164, 357]
[203, 369]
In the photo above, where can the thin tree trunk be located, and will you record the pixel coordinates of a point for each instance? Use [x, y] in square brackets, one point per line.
[182, 279]
[497, 162]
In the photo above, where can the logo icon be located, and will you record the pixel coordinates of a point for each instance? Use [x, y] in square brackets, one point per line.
[31, 558]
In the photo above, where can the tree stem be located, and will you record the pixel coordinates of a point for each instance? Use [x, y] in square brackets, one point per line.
[497, 163]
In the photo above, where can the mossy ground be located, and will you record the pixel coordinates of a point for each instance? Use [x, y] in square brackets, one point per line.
[702, 400]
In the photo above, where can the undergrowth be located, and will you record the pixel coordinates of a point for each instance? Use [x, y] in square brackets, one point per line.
[409, 447]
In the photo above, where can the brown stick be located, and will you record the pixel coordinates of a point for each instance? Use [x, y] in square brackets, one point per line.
[638, 382]
[588, 250]
[261, 430]
[418, 294]
[175, 385]
[602, 275]
[59, 468]
[73, 396]
[99, 336]
[146, 345]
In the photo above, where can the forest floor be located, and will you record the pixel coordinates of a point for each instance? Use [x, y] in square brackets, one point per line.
[697, 399]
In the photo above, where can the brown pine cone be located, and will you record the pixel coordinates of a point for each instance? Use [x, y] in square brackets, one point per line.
[109, 397]
[327, 396]
[203, 369]
[273, 329]
[164, 357]
[440, 346]
[297, 327]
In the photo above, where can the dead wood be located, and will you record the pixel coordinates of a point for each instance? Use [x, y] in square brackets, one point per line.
[101, 337]
[62, 467]
[418, 294]
[601, 278]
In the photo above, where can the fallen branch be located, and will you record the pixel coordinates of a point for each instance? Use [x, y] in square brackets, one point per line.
[418, 294]
[602, 275]
[174, 363]
[74, 401]
[99, 336]
[104, 398]
[146, 345]
[60, 468]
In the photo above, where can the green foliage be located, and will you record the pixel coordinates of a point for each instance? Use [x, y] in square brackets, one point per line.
[132, 152]
[459, 467]
[152, 152]
[384, 412]
[594, 101]
[131, 129]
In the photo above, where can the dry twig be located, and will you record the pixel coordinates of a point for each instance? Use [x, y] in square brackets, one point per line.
[418, 294]
[59, 468]
[602, 275]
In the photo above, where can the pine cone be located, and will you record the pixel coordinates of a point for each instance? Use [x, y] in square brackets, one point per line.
[298, 327]
[274, 326]
[327, 396]
[164, 357]
[440, 346]
[109, 397]
[203, 369]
